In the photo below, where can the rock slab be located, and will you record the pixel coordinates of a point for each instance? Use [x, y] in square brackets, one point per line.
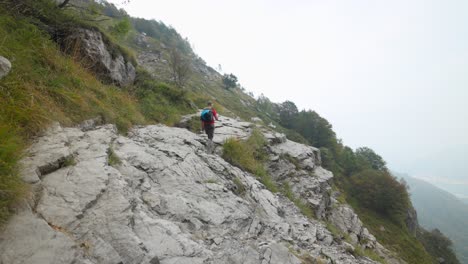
[160, 199]
[5, 67]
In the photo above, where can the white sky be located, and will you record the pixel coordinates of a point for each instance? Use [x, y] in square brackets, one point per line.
[390, 75]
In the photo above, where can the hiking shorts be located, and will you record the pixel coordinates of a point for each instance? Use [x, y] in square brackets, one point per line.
[209, 129]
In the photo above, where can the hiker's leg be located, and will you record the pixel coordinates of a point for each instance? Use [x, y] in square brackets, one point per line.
[210, 131]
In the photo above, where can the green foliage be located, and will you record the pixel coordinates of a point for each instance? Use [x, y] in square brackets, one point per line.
[381, 192]
[44, 86]
[122, 27]
[180, 67]
[69, 161]
[292, 160]
[160, 102]
[211, 181]
[229, 81]
[240, 187]
[366, 158]
[250, 156]
[348, 161]
[112, 158]
[163, 33]
[303, 207]
[394, 237]
[360, 252]
[194, 124]
[111, 10]
[11, 187]
[438, 245]
[316, 130]
[288, 114]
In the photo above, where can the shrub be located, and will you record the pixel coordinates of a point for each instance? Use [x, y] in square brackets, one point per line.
[250, 156]
[382, 193]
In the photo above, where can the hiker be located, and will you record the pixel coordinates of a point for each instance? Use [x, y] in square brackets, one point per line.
[208, 116]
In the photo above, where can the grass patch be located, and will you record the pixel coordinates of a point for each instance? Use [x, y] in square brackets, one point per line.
[160, 102]
[211, 181]
[394, 238]
[292, 160]
[194, 124]
[69, 161]
[303, 207]
[250, 155]
[360, 252]
[240, 187]
[112, 158]
[11, 186]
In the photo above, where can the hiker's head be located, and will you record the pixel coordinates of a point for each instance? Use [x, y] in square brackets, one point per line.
[209, 104]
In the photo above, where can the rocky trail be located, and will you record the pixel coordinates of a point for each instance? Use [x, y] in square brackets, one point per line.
[156, 196]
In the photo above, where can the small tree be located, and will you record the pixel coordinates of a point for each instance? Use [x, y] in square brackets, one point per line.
[180, 68]
[288, 113]
[367, 158]
[122, 27]
[229, 81]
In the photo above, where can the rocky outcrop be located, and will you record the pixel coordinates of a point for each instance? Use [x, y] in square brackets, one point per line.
[412, 220]
[5, 67]
[293, 163]
[104, 59]
[155, 196]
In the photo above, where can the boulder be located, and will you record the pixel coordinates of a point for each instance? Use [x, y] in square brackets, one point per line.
[104, 59]
[5, 67]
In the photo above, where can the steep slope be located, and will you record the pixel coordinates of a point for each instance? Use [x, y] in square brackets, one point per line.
[157, 197]
[75, 93]
[442, 210]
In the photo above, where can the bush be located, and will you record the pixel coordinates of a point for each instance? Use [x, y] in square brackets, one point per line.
[438, 245]
[382, 193]
[250, 156]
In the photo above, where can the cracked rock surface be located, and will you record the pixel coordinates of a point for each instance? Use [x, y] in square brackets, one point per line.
[160, 199]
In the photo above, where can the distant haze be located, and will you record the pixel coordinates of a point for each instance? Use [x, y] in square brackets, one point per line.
[390, 75]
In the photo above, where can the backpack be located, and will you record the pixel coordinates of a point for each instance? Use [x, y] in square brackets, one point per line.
[206, 115]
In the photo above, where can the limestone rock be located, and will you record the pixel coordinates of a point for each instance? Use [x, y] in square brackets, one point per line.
[106, 61]
[167, 202]
[5, 67]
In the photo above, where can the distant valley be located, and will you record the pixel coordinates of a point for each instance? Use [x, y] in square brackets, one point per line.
[439, 209]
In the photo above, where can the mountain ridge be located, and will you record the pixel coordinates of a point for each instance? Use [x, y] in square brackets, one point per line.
[61, 80]
[440, 209]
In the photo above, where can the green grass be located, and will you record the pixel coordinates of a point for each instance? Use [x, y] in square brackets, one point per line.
[394, 238]
[292, 160]
[359, 252]
[303, 207]
[45, 85]
[112, 158]
[240, 187]
[11, 187]
[250, 156]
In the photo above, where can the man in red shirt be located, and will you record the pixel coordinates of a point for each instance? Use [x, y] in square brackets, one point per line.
[208, 117]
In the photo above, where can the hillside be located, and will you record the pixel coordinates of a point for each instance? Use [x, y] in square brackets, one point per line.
[101, 185]
[442, 210]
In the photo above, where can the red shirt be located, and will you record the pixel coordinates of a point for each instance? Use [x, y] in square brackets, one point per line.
[215, 116]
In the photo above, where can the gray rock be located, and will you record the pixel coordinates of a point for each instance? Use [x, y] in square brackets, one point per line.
[166, 202]
[106, 61]
[5, 67]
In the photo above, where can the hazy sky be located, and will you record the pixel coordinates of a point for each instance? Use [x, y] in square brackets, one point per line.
[390, 75]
